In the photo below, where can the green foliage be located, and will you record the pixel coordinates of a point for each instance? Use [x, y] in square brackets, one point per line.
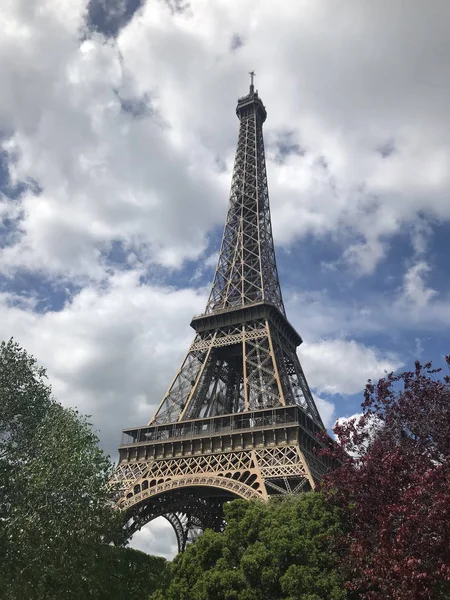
[269, 551]
[56, 514]
[127, 574]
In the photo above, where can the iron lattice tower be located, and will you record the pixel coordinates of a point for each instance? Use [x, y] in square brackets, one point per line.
[238, 420]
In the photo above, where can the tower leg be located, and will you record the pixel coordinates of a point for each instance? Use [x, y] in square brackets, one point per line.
[187, 528]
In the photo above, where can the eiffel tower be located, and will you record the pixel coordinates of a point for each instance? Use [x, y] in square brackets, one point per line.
[238, 419]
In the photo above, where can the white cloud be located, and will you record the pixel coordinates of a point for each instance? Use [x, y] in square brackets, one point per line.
[319, 315]
[109, 177]
[371, 426]
[327, 411]
[151, 183]
[112, 351]
[343, 366]
[211, 260]
[343, 420]
[414, 290]
[157, 538]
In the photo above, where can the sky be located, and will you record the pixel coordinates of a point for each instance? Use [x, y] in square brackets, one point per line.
[117, 140]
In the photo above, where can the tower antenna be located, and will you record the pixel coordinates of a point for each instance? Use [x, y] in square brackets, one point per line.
[252, 87]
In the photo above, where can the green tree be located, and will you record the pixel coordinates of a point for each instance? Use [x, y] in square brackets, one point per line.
[56, 513]
[269, 551]
[128, 574]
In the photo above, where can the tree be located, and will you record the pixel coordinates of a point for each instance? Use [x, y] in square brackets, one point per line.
[55, 505]
[128, 574]
[275, 550]
[393, 487]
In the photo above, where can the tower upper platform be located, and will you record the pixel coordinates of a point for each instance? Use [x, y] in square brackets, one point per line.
[249, 104]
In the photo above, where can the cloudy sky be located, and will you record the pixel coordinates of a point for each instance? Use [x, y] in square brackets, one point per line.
[117, 137]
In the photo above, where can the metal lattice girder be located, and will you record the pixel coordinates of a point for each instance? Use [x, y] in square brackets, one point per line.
[248, 455]
[188, 512]
[187, 528]
[235, 368]
[248, 364]
[198, 452]
[242, 473]
[246, 270]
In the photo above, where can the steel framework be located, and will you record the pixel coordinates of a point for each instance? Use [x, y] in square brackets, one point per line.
[238, 419]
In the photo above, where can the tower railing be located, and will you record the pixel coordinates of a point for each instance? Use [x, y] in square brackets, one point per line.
[235, 423]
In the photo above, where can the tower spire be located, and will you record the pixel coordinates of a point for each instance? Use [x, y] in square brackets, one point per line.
[246, 270]
[252, 87]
